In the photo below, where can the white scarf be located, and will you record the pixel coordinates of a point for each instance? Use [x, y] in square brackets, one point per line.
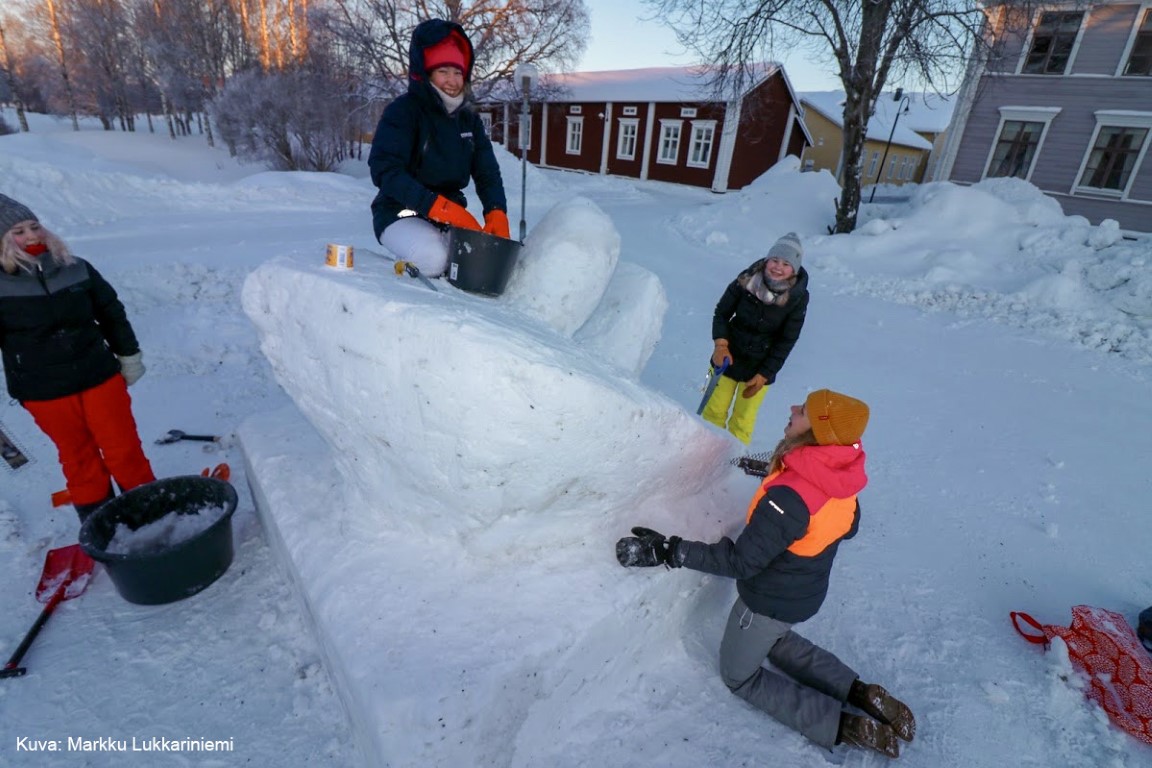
[768, 291]
[451, 103]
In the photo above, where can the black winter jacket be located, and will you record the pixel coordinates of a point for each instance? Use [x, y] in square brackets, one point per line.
[760, 336]
[61, 328]
[771, 579]
[419, 151]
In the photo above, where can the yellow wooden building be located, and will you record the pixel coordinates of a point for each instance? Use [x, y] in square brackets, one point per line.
[915, 146]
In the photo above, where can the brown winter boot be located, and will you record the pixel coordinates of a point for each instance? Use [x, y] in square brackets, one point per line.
[860, 731]
[883, 706]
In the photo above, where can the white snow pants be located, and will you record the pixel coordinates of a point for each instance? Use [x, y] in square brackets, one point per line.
[810, 699]
[418, 241]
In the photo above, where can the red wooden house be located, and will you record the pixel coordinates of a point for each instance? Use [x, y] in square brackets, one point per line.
[663, 123]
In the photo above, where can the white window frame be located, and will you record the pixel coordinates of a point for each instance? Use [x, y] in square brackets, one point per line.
[1032, 32]
[629, 112]
[575, 109]
[700, 129]
[875, 162]
[486, 121]
[892, 169]
[670, 131]
[1025, 115]
[629, 129]
[903, 176]
[688, 112]
[525, 137]
[1145, 8]
[574, 136]
[1114, 118]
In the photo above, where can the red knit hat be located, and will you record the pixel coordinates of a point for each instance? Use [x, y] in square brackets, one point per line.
[449, 52]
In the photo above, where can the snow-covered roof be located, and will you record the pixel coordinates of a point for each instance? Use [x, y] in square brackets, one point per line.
[927, 113]
[666, 84]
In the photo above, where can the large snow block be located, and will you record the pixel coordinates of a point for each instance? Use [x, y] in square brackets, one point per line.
[580, 236]
[625, 327]
[480, 651]
[417, 390]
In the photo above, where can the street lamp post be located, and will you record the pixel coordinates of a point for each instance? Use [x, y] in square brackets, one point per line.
[905, 104]
[525, 77]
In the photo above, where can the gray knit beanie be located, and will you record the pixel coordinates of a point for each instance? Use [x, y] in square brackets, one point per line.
[12, 213]
[788, 249]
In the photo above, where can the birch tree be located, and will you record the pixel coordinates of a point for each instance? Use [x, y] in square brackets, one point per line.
[62, 56]
[11, 80]
[372, 36]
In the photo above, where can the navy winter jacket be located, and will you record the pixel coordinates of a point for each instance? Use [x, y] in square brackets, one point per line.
[61, 329]
[760, 336]
[419, 151]
[782, 561]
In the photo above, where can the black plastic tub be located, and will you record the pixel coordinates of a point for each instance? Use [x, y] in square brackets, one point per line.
[172, 572]
[479, 262]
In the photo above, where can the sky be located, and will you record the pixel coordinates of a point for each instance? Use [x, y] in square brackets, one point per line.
[432, 482]
[626, 36]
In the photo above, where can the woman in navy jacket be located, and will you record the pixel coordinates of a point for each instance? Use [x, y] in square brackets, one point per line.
[427, 147]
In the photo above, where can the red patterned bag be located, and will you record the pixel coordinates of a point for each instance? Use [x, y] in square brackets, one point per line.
[1104, 647]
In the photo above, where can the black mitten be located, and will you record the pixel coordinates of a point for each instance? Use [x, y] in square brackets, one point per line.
[647, 549]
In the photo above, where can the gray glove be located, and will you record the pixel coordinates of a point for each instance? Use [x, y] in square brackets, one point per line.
[131, 367]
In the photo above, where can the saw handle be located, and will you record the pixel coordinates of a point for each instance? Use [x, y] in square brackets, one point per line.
[175, 435]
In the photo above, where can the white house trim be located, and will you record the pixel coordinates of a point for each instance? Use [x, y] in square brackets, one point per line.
[787, 142]
[1028, 115]
[1085, 9]
[1140, 11]
[606, 136]
[1114, 118]
[727, 145]
[574, 130]
[649, 126]
[543, 134]
[698, 129]
[622, 124]
[665, 123]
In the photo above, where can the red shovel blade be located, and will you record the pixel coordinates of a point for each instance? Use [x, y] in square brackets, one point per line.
[65, 567]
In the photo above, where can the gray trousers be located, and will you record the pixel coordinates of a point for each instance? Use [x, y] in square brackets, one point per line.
[810, 699]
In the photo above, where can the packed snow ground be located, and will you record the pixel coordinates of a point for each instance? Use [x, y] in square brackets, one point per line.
[1002, 346]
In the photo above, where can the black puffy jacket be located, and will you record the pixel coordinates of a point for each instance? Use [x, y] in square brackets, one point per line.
[61, 328]
[419, 151]
[760, 336]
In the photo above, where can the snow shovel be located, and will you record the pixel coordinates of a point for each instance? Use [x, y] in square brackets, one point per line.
[175, 436]
[713, 379]
[67, 571]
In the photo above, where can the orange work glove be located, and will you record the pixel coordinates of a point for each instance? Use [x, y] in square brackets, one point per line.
[720, 353]
[496, 223]
[453, 214]
[754, 385]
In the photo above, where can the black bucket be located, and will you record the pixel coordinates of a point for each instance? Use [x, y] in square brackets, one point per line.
[479, 262]
[172, 572]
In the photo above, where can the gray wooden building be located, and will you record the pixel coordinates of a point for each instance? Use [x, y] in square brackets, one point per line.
[1065, 103]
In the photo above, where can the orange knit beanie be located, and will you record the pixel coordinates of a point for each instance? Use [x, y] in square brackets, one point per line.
[836, 419]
